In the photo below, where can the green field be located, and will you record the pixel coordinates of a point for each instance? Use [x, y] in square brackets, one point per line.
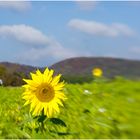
[100, 109]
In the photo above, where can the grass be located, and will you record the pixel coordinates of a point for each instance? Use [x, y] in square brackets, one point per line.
[100, 109]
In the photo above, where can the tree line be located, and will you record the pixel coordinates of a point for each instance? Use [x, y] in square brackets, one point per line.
[11, 79]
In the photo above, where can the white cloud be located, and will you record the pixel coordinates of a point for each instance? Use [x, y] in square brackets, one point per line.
[101, 29]
[16, 5]
[23, 33]
[86, 5]
[54, 50]
[123, 29]
[38, 44]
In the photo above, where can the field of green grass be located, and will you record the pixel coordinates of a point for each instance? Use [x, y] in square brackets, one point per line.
[100, 109]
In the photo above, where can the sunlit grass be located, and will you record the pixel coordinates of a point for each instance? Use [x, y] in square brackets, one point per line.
[100, 109]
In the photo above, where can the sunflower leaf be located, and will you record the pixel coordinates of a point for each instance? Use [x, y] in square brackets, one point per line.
[58, 121]
[41, 118]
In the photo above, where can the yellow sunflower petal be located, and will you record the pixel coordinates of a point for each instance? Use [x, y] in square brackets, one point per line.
[33, 105]
[46, 111]
[50, 110]
[38, 72]
[31, 83]
[37, 109]
[44, 91]
[56, 108]
[46, 72]
[59, 102]
[48, 78]
[59, 86]
[26, 97]
[26, 103]
[25, 86]
[36, 78]
[55, 80]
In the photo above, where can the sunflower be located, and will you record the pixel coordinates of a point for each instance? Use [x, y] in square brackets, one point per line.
[97, 72]
[44, 93]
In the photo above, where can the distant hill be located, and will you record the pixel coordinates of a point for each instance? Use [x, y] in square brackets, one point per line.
[12, 73]
[13, 67]
[74, 69]
[110, 66]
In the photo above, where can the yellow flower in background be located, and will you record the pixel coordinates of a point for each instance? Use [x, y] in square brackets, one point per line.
[44, 91]
[97, 72]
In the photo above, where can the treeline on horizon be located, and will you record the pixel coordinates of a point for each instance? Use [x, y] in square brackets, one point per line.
[16, 78]
[11, 79]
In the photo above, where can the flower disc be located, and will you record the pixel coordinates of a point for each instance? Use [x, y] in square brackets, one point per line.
[44, 91]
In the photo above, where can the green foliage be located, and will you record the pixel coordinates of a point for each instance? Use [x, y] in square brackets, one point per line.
[14, 79]
[100, 109]
[77, 79]
[58, 121]
[2, 70]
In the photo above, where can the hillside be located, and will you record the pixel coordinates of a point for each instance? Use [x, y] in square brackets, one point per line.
[111, 66]
[13, 67]
[74, 69]
[12, 73]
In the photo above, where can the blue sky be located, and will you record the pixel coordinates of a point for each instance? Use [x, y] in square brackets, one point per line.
[42, 33]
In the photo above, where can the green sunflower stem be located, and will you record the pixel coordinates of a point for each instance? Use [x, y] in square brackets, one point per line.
[42, 128]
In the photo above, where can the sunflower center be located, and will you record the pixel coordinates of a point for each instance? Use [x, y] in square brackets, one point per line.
[45, 94]
[45, 91]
